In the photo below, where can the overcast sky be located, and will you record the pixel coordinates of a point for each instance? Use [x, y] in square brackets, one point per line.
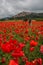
[12, 7]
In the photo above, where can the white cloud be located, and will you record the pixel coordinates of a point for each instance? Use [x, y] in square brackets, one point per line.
[12, 7]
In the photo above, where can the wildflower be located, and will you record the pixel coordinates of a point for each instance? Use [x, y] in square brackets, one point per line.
[33, 43]
[12, 62]
[41, 49]
[31, 49]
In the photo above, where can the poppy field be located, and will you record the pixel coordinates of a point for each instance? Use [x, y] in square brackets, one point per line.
[21, 44]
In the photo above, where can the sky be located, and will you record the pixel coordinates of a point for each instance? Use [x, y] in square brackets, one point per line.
[13, 7]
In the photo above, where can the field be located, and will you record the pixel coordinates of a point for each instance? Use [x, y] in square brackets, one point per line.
[21, 44]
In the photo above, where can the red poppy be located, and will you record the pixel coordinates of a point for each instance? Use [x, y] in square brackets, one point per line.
[18, 54]
[12, 62]
[3, 60]
[29, 63]
[41, 49]
[33, 43]
[39, 61]
[31, 49]
[6, 47]
[34, 62]
[27, 38]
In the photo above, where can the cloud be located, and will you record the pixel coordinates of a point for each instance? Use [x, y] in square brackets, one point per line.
[12, 7]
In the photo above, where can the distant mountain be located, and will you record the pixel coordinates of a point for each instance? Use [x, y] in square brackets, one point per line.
[33, 15]
[23, 15]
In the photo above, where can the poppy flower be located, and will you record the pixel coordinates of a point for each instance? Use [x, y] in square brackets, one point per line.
[29, 63]
[31, 49]
[33, 43]
[39, 61]
[12, 62]
[3, 60]
[41, 49]
[6, 48]
[34, 62]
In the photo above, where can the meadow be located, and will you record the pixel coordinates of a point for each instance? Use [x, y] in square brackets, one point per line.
[21, 44]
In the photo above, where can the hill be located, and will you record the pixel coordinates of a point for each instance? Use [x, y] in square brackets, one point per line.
[28, 15]
[23, 15]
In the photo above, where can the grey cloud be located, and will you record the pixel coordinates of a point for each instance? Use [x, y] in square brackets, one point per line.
[12, 7]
